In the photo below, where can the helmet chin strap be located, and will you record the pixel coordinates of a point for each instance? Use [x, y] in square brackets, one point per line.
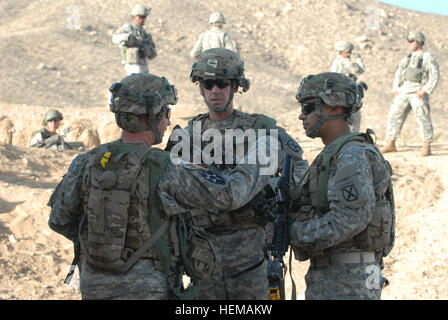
[218, 109]
[321, 119]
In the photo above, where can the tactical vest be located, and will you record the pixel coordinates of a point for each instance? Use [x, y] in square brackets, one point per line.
[119, 204]
[414, 74]
[123, 221]
[231, 220]
[140, 49]
[380, 232]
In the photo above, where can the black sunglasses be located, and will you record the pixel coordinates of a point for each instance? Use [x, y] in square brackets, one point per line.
[309, 107]
[167, 112]
[210, 83]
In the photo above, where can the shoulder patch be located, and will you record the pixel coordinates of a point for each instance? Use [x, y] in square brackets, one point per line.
[349, 192]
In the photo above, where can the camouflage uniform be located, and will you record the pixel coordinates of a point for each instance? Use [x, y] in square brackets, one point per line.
[240, 242]
[346, 226]
[136, 45]
[352, 69]
[214, 38]
[418, 70]
[43, 134]
[181, 184]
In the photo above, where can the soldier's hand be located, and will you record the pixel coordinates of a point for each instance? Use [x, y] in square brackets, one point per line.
[420, 93]
[395, 93]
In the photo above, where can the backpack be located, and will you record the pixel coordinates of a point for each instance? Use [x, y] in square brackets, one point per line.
[109, 182]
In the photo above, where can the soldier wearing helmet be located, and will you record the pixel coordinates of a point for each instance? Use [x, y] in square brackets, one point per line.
[136, 45]
[241, 238]
[352, 68]
[122, 203]
[343, 210]
[50, 123]
[415, 79]
[216, 37]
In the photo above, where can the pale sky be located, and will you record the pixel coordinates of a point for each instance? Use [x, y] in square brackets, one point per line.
[432, 6]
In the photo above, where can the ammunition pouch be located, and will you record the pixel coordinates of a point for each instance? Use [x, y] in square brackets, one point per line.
[202, 255]
[132, 55]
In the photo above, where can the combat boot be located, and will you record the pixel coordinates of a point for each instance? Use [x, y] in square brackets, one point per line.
[390, 147]
[426, 150]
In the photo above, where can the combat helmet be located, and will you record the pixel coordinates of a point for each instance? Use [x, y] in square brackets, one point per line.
[217, 18]
[219, 63]
[140, 94]
[140, 10]
[331, 89]
[344, 46]
[50, 115]
[417, 36]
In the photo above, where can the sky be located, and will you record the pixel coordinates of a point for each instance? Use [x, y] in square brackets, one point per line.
[432, 6]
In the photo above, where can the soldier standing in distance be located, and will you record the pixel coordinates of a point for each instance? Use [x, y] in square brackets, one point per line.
[216, 37]
[343, 211]
[351, 68]
[120, 203]
[240, 236]
[136, 45]
[415, 79]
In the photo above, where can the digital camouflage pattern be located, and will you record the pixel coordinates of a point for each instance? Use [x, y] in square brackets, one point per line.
[358, 175]
[343, 282]
[352, 69]
[185, 185]
[136, 46]
[418, 65]
[214, 38]
[240, 243]
[219, 63]
[335, 89]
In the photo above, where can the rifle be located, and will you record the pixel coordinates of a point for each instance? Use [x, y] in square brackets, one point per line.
[58, 140]
[276, 266]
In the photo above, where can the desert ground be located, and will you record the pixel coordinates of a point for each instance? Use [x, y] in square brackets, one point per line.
[51, 59]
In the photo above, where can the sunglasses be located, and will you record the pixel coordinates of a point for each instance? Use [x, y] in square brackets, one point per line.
[53, 119]
[167, 112]
[309, 107]
[210, 83]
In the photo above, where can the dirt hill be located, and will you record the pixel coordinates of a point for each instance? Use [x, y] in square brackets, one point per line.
[50, 59]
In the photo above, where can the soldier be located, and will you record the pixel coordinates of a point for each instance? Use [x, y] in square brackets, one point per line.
[240, 235]
[415, 79]
[215, 37]
[343, 64]
[135, 44]
[120, 202]
[48, 136]
[343, 210]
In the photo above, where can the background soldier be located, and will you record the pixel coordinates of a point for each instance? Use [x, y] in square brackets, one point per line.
[415, 79]
[136, 46]
[50, 123]
[240, 236]
[351, 68]
[346, 218]
[215, 37]
[124, 199]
